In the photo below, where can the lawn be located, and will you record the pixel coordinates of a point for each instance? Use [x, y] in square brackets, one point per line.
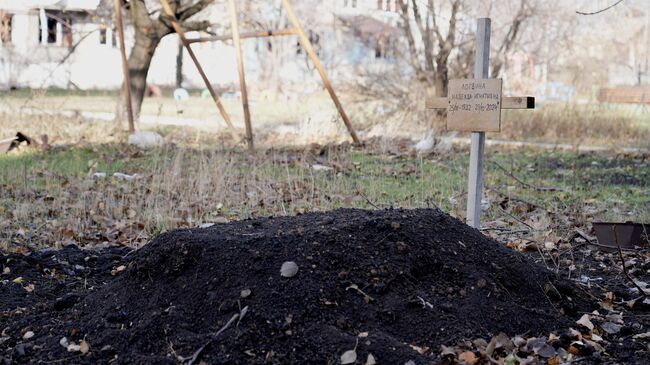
[62, 196]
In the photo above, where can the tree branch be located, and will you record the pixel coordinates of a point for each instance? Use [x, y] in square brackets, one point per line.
[191, 10]
[425, 35]
[408, 32]
[511, 37]
[195, 25]
[601, 10]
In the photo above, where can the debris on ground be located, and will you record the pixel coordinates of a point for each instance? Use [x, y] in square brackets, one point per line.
[146, 139]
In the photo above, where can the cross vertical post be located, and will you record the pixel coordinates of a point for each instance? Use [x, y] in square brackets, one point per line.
[475, 180]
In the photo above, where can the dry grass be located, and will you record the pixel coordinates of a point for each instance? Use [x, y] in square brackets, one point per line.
[580, 124]
[316, 119]
[51, 198]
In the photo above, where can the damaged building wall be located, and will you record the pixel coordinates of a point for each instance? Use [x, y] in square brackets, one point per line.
[65, 44]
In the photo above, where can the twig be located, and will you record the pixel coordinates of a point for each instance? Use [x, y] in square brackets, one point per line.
[367, 200]
[518, 199]
[620, 253]
[525, 184]
[191, 359]
[601, 10]
[517, 219]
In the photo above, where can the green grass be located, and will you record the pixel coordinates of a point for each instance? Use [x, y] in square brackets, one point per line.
[73, 162]
[50, 194]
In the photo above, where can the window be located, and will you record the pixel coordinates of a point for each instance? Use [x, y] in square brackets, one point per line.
[378, 50]
[51, 30]
[48, 32]
[382, 47]
[5, 28]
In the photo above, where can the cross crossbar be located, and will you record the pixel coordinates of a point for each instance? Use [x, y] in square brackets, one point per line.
[509, 102]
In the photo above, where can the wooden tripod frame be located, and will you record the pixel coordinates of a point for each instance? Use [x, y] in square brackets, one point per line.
[236, 38]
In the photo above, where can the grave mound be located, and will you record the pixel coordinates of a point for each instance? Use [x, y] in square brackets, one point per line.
[380, 282]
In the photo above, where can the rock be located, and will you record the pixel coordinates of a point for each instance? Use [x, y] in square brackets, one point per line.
[146, 139]
[19, 350]
[289, 269]
[73, 347]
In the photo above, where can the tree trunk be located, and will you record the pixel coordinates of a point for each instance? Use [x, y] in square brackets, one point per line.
[179, 65]
[139, 62]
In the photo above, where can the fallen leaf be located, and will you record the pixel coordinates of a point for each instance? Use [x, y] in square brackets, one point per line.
[28, 335]
[420, 350]
[554, 361]
[84, 347]
[447, 351]
[596, 338]
[245, 293]
[29, 288]
[371, 360]
[611, 328]
[547, 351]
[491, 346]
[468, 357]
[18, 280]
[118, 270]
[641, 336]
[585, 321]
[349, 357]
[511, 360]
[289, 269]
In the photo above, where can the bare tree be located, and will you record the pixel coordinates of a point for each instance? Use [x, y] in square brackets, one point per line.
[150, 25]
[431, 61]
[525, 11]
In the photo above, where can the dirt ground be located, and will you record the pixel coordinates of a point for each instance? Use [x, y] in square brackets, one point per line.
[386, 286]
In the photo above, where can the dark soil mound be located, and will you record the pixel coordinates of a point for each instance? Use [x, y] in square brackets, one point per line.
[406, 277]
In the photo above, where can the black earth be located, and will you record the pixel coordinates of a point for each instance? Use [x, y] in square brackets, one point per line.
[400, 278]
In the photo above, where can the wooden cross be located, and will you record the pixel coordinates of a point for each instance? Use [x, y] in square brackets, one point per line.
[474, 105]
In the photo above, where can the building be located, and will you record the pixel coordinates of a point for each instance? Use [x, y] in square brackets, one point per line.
[67, 44]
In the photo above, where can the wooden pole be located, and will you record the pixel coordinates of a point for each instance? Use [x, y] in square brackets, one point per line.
[125, 65]
[306, 44]
[475, 181]
[242, 78]
[261, 34]
[177, 28]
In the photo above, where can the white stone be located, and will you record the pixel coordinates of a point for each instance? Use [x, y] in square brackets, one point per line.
[146, 139]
